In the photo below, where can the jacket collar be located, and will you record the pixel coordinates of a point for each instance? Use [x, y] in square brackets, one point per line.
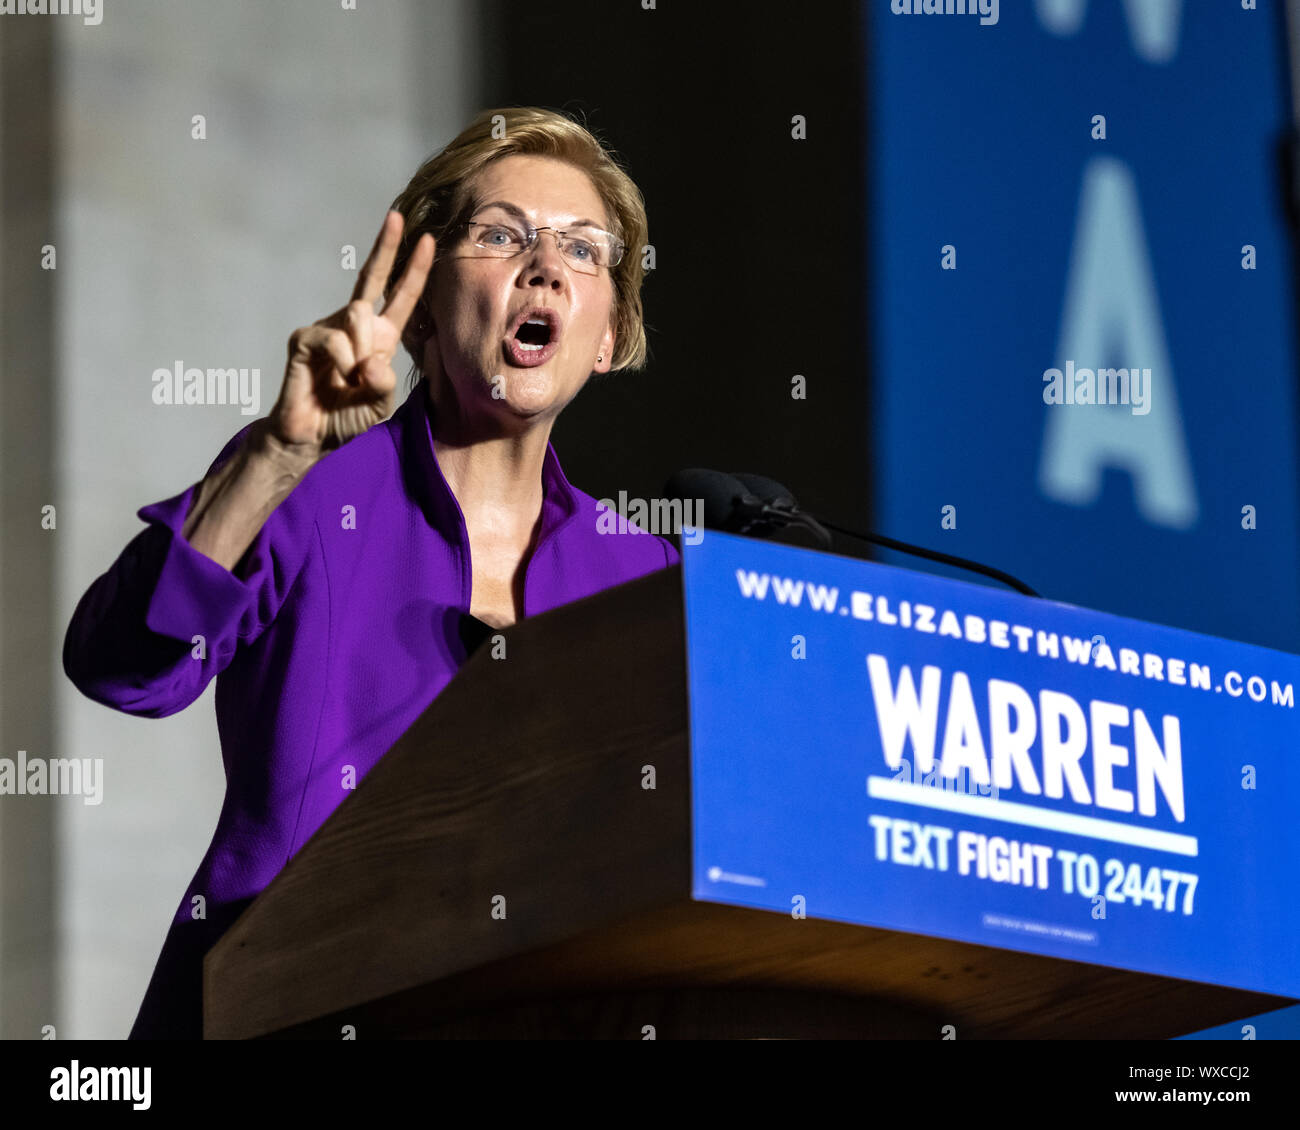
[428, 486]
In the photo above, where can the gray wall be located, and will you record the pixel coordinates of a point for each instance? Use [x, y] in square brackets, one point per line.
[169, 248]
[27, 552]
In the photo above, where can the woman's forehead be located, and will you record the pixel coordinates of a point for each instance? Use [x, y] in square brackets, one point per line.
[540, 187]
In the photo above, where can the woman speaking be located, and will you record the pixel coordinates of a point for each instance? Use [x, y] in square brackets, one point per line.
[340, 560]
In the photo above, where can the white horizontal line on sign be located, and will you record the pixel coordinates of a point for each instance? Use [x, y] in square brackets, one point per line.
[990, 808]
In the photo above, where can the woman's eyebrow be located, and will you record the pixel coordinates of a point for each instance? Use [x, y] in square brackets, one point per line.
[515, 210]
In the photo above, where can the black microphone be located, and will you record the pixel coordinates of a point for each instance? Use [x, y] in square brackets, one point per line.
[757, 506]
[733, 506]
[728, 506]
[780, 505]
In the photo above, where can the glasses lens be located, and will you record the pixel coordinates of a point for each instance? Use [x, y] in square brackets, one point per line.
[496, 237]
[587, 250]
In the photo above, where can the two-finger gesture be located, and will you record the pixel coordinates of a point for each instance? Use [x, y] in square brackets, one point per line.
[339, 380]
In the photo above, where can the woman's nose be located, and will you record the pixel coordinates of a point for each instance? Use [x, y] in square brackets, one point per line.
[545, 254]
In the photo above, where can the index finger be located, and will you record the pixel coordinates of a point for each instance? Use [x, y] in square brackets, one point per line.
[374, 272]
[408, 290]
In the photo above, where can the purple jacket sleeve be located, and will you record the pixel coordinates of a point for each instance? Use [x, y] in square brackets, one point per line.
[131, 643]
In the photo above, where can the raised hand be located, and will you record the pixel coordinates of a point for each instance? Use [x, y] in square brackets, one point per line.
[339, 380]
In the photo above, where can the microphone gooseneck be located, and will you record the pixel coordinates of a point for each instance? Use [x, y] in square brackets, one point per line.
[756, 506]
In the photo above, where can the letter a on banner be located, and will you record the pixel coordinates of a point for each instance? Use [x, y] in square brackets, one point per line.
[1112, 316]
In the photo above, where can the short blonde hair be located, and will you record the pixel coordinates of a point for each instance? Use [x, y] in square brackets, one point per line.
[439, 197]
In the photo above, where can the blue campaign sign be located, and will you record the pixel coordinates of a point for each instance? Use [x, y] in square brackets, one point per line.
[1081, 302]
[879, 746]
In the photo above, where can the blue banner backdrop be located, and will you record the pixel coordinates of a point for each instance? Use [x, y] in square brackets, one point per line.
[1086, 185]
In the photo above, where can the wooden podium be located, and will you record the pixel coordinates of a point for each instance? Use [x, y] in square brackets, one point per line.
[503, 873]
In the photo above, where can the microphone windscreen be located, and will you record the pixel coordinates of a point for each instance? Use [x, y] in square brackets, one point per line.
[718, 491]
[769, 490]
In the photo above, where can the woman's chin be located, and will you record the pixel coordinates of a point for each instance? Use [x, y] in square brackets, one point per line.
[527, 393]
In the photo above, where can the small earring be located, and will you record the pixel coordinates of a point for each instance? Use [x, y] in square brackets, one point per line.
[600, 359]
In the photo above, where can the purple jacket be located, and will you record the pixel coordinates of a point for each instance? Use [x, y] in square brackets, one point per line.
[343, 621]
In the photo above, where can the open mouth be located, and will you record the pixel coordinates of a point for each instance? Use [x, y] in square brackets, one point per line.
[534, 337]
[535, 333]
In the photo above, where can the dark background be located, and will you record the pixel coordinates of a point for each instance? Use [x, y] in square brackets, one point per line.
[759, 238]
